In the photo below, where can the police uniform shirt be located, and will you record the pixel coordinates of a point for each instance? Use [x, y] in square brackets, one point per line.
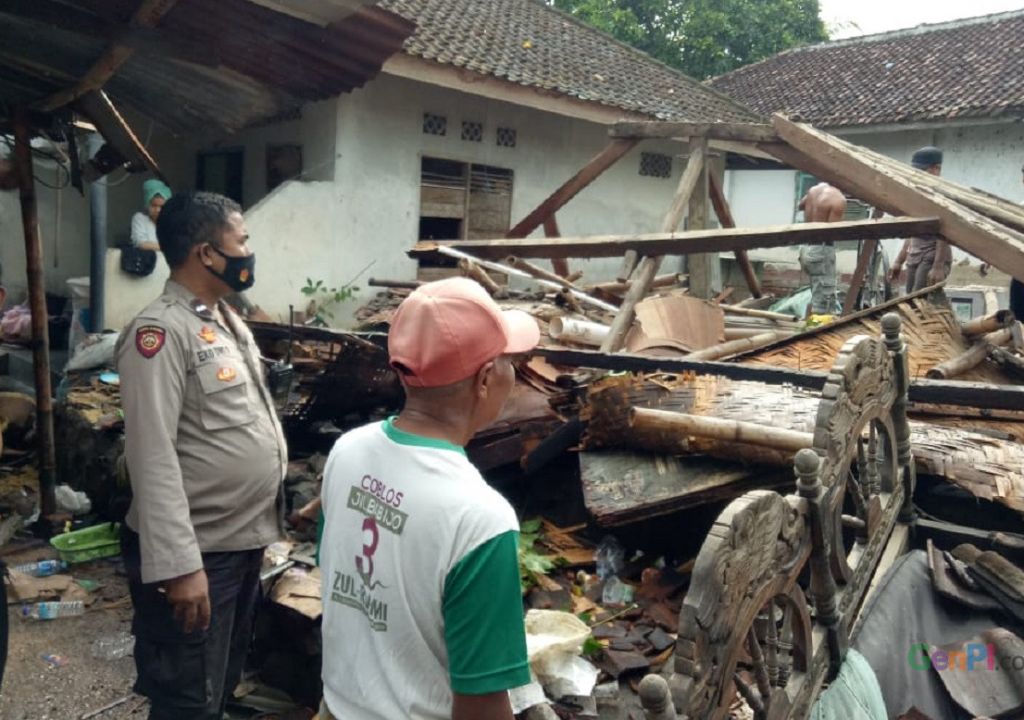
[204, 447]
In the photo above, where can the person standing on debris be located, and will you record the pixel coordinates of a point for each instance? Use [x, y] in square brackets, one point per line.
[206, 457]
[929, 258]
[822, 203]
[423, 613]
[154, 194]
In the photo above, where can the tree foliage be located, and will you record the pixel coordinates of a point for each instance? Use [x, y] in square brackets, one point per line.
[704, 38]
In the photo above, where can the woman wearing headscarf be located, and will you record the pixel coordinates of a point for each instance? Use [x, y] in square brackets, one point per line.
[154, 194]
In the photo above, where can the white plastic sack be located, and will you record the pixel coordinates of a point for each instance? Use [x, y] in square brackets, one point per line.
[93, 352]
[554, 640]
[72, 501]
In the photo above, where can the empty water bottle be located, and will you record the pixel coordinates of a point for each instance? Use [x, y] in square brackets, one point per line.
[53, 610]
[43, 568]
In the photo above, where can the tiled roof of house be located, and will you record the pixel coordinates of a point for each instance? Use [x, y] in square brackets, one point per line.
[969, 68]
[532, 44]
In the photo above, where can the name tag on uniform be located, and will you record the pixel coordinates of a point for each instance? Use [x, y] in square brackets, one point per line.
[207, 354]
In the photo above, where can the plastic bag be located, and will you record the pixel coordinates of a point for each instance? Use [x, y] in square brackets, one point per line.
[554, 640]
[93, 352]
[610, 557]
[72, 501]
[16, 323]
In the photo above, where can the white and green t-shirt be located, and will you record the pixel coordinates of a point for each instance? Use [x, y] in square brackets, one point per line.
[420, 579]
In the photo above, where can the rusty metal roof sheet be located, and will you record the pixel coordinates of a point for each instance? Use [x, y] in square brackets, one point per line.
[225, 64]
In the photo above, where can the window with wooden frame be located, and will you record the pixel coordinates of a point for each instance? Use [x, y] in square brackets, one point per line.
[464, 201]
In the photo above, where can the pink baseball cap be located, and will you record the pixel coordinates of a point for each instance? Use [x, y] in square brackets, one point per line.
[445, 331]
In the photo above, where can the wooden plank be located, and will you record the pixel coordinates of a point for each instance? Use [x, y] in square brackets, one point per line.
[726, 220]
[702, 268]
[571, 187]
[559, 265]
[857, 281]
[938, 392]
[647, 270]
[683, 243]
[843, 165]
[621, 487]
[737, 132]
[148, 14]
[115, 129]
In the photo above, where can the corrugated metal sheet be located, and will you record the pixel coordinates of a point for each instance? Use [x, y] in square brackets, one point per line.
[224, 64]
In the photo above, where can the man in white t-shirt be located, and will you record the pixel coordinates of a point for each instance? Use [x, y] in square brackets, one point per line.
[423, 616]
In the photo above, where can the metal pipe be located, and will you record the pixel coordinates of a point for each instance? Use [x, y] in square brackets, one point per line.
[37, 305]
[97, 241]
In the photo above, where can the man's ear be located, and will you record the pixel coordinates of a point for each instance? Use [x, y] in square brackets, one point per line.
[484, 378]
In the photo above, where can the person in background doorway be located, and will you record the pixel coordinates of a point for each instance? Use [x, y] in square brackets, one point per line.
[928, 259]
[154, 194]
[822, 203]
[206, 459]
[423, 613]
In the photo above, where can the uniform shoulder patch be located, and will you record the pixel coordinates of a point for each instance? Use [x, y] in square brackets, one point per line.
[149, 340]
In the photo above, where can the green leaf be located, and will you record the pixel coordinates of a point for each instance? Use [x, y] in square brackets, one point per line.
[529, 526]
[591, 647]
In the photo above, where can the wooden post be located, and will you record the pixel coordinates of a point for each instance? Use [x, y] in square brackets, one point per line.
[892, 335]
[571, 187]
[857, 281]
[647, 270]
[703, 268]
[559, 265]
[970, 358]
[656, 699]
[988, 323]
[37, 304]
[726, 220]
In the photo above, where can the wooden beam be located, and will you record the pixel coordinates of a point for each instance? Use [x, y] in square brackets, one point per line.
[115, 129]
[559, 265]
[841, 164]
[683, 243]
[571, 187]
[648, 267]
[736, 132]
[148, 14]
[703, 268]
[46, 454]
[857, 281]
[726, 220]
[938, 392]
[682, 425]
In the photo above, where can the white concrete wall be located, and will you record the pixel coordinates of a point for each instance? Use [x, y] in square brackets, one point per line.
[376, 194]
[126, 295]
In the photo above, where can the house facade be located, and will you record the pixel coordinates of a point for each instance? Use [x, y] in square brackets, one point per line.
[487, 110]
[957, 85]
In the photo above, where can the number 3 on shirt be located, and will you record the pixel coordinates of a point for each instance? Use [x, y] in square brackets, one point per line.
[366, 572]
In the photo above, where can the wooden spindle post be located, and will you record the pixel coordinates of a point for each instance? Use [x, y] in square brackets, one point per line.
[891, 327]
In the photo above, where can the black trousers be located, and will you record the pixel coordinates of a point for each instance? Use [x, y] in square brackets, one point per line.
[1017, 298]
[191, 676]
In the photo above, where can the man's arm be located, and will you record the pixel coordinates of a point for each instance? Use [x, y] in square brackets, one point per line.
[152, 365]
[943, 256]
[901, 257]
[484, 631]
[493, 706]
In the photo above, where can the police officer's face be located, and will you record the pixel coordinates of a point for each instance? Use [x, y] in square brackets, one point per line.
[234, 242]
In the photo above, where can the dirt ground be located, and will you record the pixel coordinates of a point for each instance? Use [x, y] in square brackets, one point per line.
[76, 682]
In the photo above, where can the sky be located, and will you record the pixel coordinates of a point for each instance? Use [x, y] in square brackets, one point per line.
[849, 18]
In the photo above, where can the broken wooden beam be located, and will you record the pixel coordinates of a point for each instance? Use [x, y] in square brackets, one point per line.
[726, 220]
[571, 187]
[538, 272]
[740, 345]
[647, 269]
[470, 269]
[673, 424]
[736, 132]
[754, 312]
[922, 390]
[684, 243]
[396, 284]
[617, 287]
[842, 164]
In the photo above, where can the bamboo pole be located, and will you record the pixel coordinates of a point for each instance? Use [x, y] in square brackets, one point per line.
[505, 269]
[970, 358]
[37, 304]
[647, 270]
[733, 347]
[738, 333]
[615, 286]
[683, 425]
[988, 323]
[473, 271]
[397, 284]
[538, 272]
[752, 312]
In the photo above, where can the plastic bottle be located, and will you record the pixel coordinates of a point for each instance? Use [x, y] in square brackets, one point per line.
[53, 610]
[43, 568]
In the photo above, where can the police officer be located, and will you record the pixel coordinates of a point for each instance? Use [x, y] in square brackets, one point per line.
[206, 457]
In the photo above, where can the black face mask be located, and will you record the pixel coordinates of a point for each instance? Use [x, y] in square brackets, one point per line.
[239, 273]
